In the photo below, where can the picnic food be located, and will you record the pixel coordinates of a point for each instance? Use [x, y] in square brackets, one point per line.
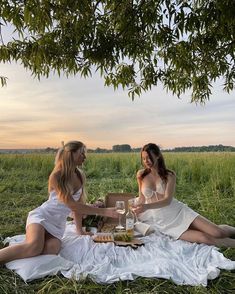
[103, 238]
[123, 236]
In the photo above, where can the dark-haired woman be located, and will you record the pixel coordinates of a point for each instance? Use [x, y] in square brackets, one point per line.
[157, 205]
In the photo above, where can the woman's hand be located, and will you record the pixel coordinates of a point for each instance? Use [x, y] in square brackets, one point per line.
[111, 212]
[140, 208]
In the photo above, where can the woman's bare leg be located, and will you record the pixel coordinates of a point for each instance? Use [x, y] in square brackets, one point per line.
[52, 244]
[202, 224]
[196, 236]
[32, 246]
[229, 229]
[204, 231]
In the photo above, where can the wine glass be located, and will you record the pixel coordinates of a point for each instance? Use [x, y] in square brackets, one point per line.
[133, 203]
[120, 208]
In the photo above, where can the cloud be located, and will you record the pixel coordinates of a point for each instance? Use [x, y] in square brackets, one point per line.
[42, 114]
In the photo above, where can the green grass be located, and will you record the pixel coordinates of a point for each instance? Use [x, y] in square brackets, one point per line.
[205, 181]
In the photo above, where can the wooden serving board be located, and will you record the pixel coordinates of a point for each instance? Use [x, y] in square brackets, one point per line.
[134, 243]
[98, 241]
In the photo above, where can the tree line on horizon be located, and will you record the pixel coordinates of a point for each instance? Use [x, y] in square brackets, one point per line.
[127, 148]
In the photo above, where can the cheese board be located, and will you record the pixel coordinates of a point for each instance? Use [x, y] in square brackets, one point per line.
[109, 237]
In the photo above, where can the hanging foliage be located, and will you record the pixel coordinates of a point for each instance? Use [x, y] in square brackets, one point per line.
[185, 45]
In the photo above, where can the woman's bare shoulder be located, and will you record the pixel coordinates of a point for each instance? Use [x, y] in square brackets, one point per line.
[171, 175]
[53, 179]
[139, 173]
[55, 175]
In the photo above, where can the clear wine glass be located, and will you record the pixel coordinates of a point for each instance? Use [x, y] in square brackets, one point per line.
[120, 208]
[133, 203]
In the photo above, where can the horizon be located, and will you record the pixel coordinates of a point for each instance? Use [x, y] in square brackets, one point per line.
[191, 146]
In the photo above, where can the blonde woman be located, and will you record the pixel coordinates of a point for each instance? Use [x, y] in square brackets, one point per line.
[45, 225]
[159, 208]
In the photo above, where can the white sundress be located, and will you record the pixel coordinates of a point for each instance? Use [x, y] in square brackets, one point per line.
[52, 214]
[173, 219]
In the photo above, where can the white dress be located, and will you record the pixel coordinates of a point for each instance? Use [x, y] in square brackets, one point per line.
[173, 219]
[52, 214]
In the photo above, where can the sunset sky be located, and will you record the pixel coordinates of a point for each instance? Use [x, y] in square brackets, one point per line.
[40, 114]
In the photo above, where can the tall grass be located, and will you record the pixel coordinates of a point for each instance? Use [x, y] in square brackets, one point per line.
[205, 181]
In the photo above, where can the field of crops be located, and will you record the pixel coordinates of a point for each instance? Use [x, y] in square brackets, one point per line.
[205, 181]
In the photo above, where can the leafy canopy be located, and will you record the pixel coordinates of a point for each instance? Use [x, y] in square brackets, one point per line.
[185, 45]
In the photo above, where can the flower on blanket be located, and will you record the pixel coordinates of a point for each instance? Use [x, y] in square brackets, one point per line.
[94, 220]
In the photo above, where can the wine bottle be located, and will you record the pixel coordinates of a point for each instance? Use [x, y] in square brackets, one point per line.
[130, 219]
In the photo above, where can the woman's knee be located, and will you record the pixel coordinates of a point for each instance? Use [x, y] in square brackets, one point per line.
[33, 248]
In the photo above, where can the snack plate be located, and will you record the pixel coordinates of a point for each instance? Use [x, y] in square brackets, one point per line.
[103, 237]
[108, 237]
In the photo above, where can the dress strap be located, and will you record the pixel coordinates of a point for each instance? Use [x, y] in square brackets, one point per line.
[76, 196]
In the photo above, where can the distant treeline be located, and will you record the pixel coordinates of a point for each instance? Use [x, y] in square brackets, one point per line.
[127, 148]
[210, 148]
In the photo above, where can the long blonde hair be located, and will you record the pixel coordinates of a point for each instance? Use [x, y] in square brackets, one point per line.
[65, 166]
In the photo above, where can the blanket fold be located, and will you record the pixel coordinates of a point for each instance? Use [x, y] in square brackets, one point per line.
[183, 262]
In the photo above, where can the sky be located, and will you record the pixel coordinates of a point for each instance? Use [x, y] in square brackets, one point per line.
[41, 114]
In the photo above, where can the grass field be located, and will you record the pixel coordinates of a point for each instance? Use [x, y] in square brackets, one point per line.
[205, 181]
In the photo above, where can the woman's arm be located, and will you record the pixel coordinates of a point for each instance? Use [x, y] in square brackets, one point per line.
[168, 195]
[79, 208]
[78, 223]
[77, 218]
[141, 198]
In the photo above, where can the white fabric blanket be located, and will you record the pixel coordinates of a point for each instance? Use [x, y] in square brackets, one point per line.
[161, 257]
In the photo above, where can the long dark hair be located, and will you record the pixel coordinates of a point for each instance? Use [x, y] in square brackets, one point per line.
[163, 172]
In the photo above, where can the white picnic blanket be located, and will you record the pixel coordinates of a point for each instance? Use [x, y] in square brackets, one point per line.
[161, 257]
